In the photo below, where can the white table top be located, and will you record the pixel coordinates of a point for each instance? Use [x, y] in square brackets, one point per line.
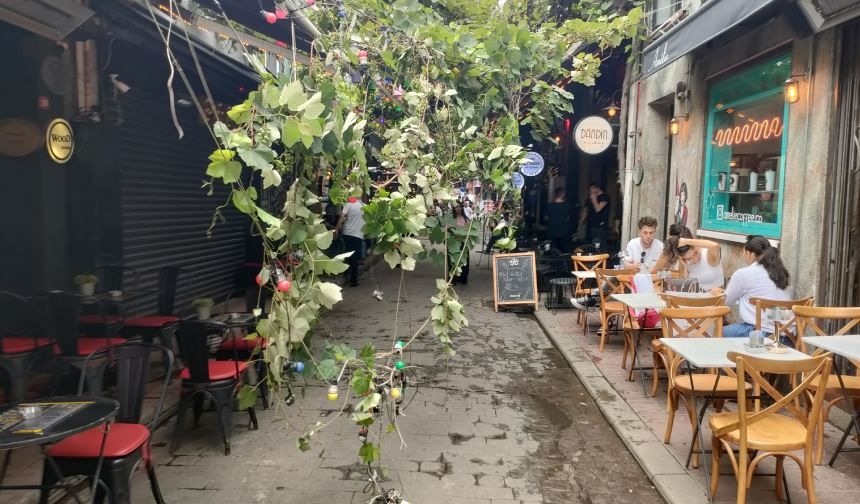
[846, 346]
[584, 275]
[711, 352]
[652, 300]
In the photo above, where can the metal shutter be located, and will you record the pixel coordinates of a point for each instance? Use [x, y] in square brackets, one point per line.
[165, 212]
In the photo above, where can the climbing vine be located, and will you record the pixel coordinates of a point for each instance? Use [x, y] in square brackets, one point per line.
[431, 93]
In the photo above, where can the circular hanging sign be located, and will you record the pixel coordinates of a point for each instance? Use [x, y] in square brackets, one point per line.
[518, 180]
[18, 137]
[60, 141]
[532, 164]
[593, 135]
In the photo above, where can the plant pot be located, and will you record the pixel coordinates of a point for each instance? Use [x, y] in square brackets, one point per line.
[87, 289]
[204, 312]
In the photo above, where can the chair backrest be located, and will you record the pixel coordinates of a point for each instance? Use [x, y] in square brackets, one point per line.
[116, 277]
[788, 328]
[699, 322]
[589, 262]
[192, 337]
[674, 301]
[815, 371]
[682, 285]
[19, 318]
[628, 282]
[608, 284]
[63, 309]
[168, 278]
[810, 318]
[131, 362]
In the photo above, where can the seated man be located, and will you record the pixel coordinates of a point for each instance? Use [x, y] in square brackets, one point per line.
[642, 252]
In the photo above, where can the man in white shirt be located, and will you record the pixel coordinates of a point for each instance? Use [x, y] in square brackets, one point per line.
[351, 227]
[644, 250]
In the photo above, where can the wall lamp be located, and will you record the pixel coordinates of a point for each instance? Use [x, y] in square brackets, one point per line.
[675, 124]
[791, 88]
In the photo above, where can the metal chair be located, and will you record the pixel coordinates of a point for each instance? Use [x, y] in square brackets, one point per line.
[158, 324]
[22, 341]
[204, 377]
[127, 444]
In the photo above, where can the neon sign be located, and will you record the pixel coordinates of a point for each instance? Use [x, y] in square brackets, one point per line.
[752, 132]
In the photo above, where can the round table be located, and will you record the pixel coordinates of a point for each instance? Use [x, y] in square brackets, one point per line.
[95, 411]
[556, 286]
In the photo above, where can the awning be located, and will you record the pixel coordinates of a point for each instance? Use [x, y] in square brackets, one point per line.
[824, 14]
[54, 19]
[708, 22]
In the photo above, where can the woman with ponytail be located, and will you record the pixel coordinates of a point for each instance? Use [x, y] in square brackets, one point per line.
[765, 277]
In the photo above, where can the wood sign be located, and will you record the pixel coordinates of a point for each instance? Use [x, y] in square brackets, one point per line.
[514, 279]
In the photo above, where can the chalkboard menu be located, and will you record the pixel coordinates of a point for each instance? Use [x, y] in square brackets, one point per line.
[514, 279]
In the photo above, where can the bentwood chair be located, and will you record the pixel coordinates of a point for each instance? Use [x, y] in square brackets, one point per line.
[787, 329]
[607, 285]
[128, 442]
[694, 323]
[660, 357]
[778, 430]
[22, 341]
[632, 324]
[811, 319]
[584, 286]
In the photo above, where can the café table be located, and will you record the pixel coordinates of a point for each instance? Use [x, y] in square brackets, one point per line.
[61, 418]
[639, 301]
[848, 347]
[711, 353]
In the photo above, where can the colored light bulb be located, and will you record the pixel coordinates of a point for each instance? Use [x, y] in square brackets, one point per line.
[400, 364]
[332, 393]
[283, 285]
[399, 345]
[270, 17]
[395, 393]
[281, 13]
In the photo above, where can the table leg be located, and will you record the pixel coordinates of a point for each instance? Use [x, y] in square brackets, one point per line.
[697, 432]
[6, 459]
[853, 415]
[59, 474]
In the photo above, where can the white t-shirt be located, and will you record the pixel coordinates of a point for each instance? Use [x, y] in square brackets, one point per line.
[753, 282]
[707, 275]
[353, 220]
[652, 253]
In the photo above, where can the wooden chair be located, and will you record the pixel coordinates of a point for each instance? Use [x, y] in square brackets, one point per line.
[631, 322]
[809, 319]
[660, 357]
[607, 285]
[694, 323]
[789, 328]
[764, 432]
[586, 263]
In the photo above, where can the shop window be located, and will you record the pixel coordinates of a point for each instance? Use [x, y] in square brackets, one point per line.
[745, 150]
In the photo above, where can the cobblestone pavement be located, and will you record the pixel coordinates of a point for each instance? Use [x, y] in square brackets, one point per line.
[504, 421]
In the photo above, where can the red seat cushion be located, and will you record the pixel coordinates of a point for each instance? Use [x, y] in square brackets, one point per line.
[122, 439]
[20, 345]
[87, 346]
[151, 321]
[95, 318]
[242, 344]
[218, 370]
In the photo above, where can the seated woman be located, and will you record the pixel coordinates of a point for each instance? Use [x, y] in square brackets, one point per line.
[765, 277]
[670, 258]
[701, 259]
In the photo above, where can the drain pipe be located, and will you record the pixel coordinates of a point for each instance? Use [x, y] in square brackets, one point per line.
[628, 171]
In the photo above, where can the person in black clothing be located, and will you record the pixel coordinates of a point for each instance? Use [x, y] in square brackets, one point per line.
[558, 221]
[596, 215]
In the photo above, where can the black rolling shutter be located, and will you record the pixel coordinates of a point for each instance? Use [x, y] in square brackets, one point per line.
[165, 212]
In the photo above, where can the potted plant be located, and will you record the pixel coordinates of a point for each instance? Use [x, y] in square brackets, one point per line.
[86, 283]
[203, 307]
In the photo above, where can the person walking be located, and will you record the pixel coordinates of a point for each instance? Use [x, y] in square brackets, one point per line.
[351, 227]
[558, 221]
[765, 278]
[462, 222]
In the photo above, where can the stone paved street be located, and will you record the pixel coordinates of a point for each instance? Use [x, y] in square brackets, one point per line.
[504, 421]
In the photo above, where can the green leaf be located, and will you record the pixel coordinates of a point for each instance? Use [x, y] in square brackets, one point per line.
[392, 257]
[242, 201]
[324, 239]
[260, 157]
[361, 381]
[271, 178]
[247, 396]
[303, 443]
[364, 419]
[369, 402]
[408, 264]
[290, 133]
[312, 108]
[368, 354]
[292, 95]
[297, 234]
[270, 94]
[329, 294]
[240, 113]
[369, 453]
[332, 266]
[268, 218]
[328, 369]
[223, 166]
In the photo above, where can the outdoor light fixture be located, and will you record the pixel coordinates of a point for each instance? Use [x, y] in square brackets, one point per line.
[792, 90]
[612, 111]
[674, 126]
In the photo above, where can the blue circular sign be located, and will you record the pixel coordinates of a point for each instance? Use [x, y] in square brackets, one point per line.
[532, 164]
[518, 180]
